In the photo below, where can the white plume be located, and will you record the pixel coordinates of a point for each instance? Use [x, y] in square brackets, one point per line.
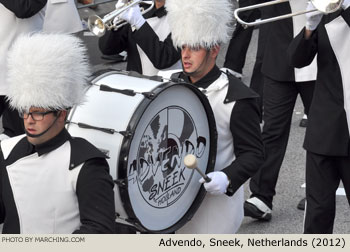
[47, 71]
[204, 23]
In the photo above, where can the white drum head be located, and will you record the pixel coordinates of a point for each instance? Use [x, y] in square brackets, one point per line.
[161, 192]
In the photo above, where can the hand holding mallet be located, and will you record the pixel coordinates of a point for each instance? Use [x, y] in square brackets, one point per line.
[190, 162]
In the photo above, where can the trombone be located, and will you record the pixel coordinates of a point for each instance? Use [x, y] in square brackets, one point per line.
[98, 25]
[325, 6]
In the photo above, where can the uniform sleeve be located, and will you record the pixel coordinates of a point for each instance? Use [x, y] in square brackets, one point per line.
[96, 198]
[248, 144]
[162, 54]
[24, 8]
[301, 52]
[114, 42]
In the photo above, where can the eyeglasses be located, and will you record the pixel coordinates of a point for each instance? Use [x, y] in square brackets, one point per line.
[36, 116]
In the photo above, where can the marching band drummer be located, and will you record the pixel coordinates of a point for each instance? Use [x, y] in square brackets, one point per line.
[146, 39]
[51, 182]
[199, 27]
[327, 140]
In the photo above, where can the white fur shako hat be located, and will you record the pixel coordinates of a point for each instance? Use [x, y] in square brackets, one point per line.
[204, 23]
[48, 71]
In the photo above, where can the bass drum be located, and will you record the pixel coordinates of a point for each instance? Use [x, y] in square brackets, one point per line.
[146, 128]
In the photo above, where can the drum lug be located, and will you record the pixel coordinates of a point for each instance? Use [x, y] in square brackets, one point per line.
[125, 133]
[138, 226]
[177, 80]
[120, 183]
[130, 221]
[149, 95]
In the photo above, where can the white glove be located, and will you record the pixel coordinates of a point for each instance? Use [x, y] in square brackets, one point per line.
[132, 15]
[312, 18]
[345, 4]
[218, 184]
[120, 4]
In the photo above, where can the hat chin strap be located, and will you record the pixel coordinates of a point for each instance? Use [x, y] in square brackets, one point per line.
[42, 133]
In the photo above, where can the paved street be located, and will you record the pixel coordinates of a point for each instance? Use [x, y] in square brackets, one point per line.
[286, 217]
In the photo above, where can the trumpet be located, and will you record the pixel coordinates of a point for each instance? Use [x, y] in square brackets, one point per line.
[98, 25]
[325, 6]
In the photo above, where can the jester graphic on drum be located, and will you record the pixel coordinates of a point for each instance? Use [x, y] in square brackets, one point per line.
[158, 168]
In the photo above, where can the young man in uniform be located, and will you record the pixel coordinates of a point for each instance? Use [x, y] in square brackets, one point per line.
[282, 85]
[239, 147]
[51, 182]
[327, 140]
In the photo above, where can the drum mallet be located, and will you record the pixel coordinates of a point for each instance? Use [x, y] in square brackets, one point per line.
[190, 162]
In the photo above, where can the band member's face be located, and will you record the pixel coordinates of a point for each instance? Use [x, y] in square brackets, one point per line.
[159, 3]
[197, 62]
[37, 123]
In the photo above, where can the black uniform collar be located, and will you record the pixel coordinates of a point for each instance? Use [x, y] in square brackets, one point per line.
[156, 12]
[207, 80]
[160, 12]
[53, 143]
[237, 90]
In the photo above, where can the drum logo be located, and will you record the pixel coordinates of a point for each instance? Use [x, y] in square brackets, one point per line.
[158, 168]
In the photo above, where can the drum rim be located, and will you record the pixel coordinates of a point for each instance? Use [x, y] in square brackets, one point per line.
[123, 158]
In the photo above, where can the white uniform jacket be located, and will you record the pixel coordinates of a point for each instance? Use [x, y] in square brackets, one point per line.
[60, 186]
[280, 34]
[62, 17]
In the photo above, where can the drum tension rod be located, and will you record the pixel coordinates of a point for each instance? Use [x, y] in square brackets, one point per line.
[149, 95]
[105, 130]
[129, 92]
[120, 182]
[177, 80]
[132, 222]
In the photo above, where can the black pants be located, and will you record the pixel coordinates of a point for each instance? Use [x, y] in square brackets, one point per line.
[279, 100]
[323, 175]
[11, 122]
[257, 80]
[239, 43]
